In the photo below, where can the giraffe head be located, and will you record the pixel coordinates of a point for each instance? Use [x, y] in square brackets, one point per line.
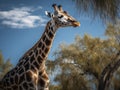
[61, 18]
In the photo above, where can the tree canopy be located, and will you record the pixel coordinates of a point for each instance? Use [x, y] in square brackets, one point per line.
[104, 9]
[5, 66]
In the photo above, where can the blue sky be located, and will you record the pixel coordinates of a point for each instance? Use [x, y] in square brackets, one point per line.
[22, 23]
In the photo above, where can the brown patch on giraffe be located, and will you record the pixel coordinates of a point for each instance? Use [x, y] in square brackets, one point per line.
[32, 58]
[40, 44]
[40, 51]
[25, 86]
[22, 78]
[50, 34]
[39, 59]
[47, 42]
[43, 47]
[16, 79]
[51, 28]
[11, 80]
[20, 63]
[43, 55]
[41, 82]
[7, 83]
[47, 31]
[27, 57]
[45, 76]
[46, 50]
[36, 65]
[28, 76]
[41, 72]
[32, 68]
[30, 53]
[32, 76]
[12, 72]
[27, 66]
[8, 88]
[36, 52]
[15, 87]
[25, 62]
[31, 85]
[20, 71]
[20, 88]
[43, 38]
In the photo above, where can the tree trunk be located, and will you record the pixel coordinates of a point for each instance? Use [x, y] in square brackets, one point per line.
[108, 71]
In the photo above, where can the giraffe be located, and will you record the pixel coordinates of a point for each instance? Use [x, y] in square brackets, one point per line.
[30, 72]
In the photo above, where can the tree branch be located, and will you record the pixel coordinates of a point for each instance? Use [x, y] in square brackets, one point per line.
[107, 73]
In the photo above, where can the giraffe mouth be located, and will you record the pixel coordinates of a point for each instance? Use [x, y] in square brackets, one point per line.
[76, 24]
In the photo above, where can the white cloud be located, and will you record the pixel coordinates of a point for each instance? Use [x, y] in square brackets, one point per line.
[21, 18]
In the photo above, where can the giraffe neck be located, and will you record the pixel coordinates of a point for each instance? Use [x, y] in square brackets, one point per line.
[39, 52]
[45, 42]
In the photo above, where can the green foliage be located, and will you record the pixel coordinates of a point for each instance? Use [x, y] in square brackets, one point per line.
[80, 63]
[5, 66]
[54, 87]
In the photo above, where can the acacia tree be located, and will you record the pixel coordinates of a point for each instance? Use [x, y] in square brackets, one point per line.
[107, 74]
[82, 62]
[5, 66]
[83, 59]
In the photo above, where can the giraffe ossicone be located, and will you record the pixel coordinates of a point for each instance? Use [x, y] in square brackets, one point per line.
[30, 72]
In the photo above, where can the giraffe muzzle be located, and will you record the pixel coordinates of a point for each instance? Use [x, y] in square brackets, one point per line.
[76, 24]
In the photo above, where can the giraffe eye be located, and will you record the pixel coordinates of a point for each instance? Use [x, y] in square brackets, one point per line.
[60, 16]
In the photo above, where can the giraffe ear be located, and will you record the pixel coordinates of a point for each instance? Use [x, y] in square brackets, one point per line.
[49, 14]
